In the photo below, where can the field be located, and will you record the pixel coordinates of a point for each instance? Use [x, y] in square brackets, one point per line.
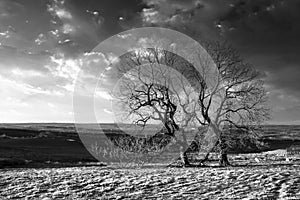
[48, 161]
[251, 182]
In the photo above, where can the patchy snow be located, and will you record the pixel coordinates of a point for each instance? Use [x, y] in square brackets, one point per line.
[250, 182]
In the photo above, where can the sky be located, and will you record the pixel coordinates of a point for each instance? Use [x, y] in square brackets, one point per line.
[42, 44]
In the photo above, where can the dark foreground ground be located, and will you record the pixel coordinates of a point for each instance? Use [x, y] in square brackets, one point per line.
[50, 144]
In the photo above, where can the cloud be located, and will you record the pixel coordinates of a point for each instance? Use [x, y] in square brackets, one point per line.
[11, 57]
[40, 39]
[166, 11]
[7, 8]
[103, 94]
[44, 45]
[79, 26]
[67, 29]
[108, 111]
[57, 9]
[265, 33]
[39, 73]
[41, 51]
[21, 102]
[5, 34]
[62, 19]
[97, 17]
[193, 17]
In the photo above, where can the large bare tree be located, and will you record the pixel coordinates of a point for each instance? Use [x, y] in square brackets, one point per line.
[151, 92]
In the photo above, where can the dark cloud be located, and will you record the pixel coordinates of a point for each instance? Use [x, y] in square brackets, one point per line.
[266, 33]
[193, 17]
[269, 38]
[12, 58]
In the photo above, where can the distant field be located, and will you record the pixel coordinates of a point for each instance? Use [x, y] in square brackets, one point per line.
[44, 142]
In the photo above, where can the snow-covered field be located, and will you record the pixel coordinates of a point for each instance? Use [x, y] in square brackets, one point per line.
[280, 181]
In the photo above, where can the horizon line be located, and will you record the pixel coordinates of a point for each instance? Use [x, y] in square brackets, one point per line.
[271, 124]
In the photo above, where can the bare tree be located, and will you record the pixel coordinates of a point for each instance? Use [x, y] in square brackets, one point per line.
[150, 92]
[154, 94]
[241, 103]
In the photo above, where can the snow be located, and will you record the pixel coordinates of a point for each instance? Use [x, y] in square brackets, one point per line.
[251, 182]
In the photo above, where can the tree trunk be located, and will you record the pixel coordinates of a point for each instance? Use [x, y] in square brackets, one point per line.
[183, 148]
[213, 141]
[184, 158]
[204, 159]
[224, 160]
